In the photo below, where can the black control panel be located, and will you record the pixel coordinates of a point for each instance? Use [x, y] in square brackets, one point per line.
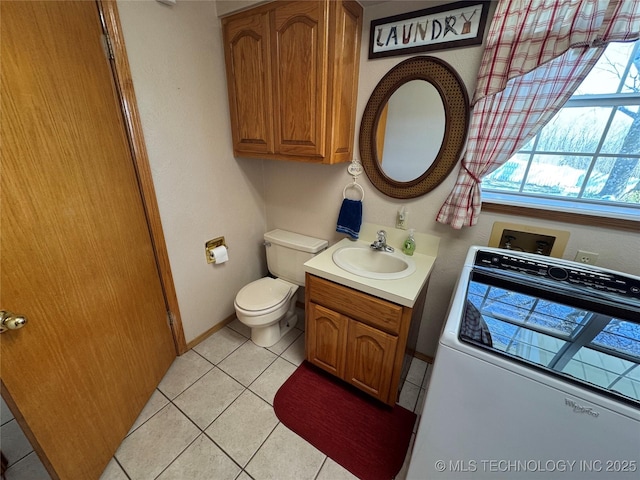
[562, 271]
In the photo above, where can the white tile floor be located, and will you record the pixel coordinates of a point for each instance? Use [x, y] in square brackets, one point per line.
[212, 417]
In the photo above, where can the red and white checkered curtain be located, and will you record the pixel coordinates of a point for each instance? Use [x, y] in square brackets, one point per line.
[537, 54]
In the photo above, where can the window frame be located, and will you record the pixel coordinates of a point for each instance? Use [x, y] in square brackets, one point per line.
[498, 205]
[574, 210]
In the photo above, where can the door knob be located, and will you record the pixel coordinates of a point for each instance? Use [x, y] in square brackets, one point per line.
[11, 321]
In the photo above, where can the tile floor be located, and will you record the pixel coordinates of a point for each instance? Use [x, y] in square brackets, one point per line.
[213, 412]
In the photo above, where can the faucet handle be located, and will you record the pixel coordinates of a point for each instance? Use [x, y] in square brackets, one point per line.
[382, 233]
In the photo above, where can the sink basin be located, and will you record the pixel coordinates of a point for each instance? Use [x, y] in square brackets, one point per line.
[369, 263]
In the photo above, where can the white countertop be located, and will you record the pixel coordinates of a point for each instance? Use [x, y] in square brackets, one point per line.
[403, 291]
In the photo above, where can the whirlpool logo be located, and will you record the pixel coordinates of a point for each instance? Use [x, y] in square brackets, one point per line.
[577, 408]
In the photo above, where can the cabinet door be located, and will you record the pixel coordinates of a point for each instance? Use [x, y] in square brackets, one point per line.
[248, 65]
[344, 56]
[326, 339]
[370, 355]
[300, 66]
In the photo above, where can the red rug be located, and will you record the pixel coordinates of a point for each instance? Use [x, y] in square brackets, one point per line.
[363, 435]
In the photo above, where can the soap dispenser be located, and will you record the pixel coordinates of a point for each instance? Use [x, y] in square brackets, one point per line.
[409, 245]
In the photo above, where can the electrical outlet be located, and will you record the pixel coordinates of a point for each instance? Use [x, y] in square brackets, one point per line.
[586, 257]
[402, 219]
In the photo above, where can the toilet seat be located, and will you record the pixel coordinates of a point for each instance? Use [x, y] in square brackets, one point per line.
[263, 296]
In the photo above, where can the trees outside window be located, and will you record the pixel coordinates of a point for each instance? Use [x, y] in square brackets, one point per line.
[590, 151]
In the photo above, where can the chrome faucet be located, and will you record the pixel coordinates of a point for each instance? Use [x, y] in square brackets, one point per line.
[381, 243]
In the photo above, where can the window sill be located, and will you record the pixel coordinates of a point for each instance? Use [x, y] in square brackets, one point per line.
[626, 218]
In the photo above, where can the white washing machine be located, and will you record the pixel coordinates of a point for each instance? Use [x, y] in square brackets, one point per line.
[536, 375]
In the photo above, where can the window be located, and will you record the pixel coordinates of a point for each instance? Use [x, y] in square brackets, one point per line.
[587, 158]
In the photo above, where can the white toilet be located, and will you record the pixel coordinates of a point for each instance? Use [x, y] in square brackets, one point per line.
[268, 305]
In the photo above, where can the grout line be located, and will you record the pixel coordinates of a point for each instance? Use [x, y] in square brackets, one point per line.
[421, 391]
[231, 376]
[228, 325]
[14, 464]
[192, 383]
[130, 432]
[179, 454]
[202, 431]
[9, 465]
[225, 452]
[218, 416]
[121, 467]
[246, 473]
[204, 358]
[414, 384]
[321, 467]
[261, 445]
[229, 354]
[245, 388]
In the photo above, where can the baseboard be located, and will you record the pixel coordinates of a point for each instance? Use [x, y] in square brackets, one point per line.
[423, 357]
[211, 331]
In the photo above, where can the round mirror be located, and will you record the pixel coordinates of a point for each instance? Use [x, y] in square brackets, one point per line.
[410, 131]
[414, 127]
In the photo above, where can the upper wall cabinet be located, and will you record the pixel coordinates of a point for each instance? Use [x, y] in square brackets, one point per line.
[292, 76]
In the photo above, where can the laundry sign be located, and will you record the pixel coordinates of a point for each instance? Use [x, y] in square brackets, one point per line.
[446, 26]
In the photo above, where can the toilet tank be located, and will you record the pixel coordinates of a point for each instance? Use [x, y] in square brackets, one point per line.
[287, 252]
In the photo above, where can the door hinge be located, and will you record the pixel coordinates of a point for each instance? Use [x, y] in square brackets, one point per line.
[170, 318]
[108, 47]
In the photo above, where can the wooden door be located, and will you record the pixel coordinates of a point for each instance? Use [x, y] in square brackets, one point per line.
[248, 65]
[300, 66]
[75, 249]
[370, 356]
[326, 339]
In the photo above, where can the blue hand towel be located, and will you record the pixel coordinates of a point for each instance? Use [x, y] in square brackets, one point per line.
[350, 218]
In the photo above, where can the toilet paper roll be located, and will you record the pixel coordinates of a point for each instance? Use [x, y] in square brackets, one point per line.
[220, 254]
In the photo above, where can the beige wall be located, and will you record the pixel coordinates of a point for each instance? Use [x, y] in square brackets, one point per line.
[178, 68]
[307, 198]
[203, 191]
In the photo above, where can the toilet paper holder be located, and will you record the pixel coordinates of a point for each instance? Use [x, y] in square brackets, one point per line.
[210, 245]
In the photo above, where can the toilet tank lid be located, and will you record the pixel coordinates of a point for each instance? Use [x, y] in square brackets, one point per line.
[304, 243]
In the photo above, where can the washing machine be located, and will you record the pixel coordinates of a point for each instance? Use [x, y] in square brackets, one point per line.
[536, 374]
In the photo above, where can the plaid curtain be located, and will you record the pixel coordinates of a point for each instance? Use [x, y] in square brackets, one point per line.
[537, 54]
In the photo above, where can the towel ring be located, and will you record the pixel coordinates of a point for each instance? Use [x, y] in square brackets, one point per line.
[352, 185]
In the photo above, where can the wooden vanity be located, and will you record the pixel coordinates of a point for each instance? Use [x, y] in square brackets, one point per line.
[365, 340]
[364, 329]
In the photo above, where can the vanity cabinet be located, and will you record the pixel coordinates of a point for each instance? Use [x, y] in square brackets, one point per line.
[360, 338]
[326, 338]
[292, 78]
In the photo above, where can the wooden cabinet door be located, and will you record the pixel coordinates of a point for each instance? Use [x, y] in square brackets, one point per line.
[248, 64]
[370, 355]
[344, 58]
[300, 64]
[326, 339]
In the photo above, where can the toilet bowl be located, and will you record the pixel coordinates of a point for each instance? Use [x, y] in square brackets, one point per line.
[268, 305]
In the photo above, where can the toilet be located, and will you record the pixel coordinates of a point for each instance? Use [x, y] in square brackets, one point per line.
[268, 305]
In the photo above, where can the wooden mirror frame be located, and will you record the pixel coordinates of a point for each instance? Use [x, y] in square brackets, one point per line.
[456, 105]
